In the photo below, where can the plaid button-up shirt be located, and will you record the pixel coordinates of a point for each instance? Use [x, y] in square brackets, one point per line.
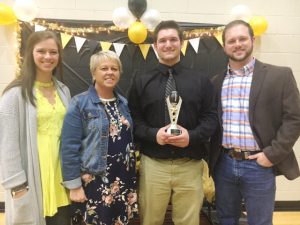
[237, 132]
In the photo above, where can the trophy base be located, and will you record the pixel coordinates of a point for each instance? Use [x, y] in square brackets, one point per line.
[174, 132]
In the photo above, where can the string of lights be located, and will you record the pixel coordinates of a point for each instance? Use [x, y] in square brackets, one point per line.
[83, 31]
[203, 32]
[18, 37]
[79, 31]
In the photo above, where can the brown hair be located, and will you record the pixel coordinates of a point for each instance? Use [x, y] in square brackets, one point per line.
[168, 24]
[236, 23]
[28, 68]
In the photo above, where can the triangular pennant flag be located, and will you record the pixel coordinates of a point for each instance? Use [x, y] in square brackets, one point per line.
[218, 36]
[118, 48]
[195, 43]
[65, 38]
[144, 49]
[39, 28]
[79, 41]
[184, 46]
[93, 45]
[152, 45]
[131, 49]
[105, 45]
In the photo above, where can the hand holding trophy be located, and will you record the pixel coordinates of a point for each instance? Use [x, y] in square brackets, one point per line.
[174, 103]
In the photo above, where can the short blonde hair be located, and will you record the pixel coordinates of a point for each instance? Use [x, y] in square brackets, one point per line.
[100, 56]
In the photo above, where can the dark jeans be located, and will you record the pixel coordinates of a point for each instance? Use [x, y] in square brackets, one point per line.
[62, 217]
[238, 180]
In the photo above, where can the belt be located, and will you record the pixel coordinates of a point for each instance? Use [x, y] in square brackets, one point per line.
[238, 154]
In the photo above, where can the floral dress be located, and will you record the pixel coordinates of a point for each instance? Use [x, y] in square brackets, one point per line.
[112, 198]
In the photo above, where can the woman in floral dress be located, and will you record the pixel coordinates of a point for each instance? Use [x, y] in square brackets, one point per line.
[98, 158]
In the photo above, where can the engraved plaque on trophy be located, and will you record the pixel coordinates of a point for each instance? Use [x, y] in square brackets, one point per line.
[174, 103]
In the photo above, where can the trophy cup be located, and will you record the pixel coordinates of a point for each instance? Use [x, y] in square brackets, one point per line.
[174, 103]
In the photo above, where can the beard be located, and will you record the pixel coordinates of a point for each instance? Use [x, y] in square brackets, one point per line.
[241, 58]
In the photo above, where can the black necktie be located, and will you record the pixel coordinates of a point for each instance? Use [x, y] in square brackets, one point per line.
[170, 86]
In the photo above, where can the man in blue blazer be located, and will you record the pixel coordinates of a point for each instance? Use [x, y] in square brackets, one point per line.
[259, 122]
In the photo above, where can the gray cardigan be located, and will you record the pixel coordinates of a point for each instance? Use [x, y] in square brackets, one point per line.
[19, 160]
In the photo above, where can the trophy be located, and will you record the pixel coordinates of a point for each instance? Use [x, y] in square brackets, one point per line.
[174, 103]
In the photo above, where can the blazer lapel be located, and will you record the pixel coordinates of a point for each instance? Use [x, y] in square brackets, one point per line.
[259, 74]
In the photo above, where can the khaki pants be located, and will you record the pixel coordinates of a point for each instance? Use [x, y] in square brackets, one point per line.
[178, 181]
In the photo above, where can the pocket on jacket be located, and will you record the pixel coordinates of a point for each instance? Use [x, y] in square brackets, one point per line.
[91, 118]
[22, 210]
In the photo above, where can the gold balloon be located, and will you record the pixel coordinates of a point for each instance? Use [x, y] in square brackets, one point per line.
[259, 25]
[7, 15]
[137, 32]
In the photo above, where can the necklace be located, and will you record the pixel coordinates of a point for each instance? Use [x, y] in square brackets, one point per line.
[44, 84]
[115, 119]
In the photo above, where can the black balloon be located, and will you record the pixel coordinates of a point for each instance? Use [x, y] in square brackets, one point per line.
[137, 7]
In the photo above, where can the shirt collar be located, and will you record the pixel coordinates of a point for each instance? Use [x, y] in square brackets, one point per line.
[163, 68]
[244, 71]
[95, 98]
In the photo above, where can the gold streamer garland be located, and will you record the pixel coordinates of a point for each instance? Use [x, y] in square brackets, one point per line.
[78, 31]
[17, 34]
[82, 31]
[203, 32]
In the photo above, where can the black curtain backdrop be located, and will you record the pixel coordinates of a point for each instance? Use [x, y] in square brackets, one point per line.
[210, 58]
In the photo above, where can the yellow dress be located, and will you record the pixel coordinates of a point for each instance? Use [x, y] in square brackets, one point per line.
[50, 119]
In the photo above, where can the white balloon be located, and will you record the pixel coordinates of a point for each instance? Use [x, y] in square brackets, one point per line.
[25, 10]
[241, 12]
[151, 18]
[122, 17]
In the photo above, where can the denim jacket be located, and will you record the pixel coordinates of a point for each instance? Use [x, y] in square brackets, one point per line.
[85, 136]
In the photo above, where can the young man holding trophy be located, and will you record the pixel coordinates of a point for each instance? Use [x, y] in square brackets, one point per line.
[174, 117]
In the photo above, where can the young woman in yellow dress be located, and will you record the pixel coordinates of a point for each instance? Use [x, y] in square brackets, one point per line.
[32, 110]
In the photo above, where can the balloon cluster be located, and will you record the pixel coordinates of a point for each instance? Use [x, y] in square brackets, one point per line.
[25, 10]
[137, 18]
[259, 24]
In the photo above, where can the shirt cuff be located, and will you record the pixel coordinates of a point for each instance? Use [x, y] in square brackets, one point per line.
[73, 184]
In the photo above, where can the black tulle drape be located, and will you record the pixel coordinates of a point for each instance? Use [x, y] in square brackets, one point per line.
[210, 57]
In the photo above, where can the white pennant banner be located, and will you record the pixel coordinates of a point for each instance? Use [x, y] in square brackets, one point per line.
[152, 45]
[39, 28]
[79, 41]
[118, 48]
[195, 43]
